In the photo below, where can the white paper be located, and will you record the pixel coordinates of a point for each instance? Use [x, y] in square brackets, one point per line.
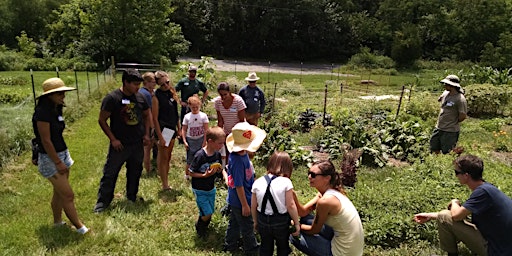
[167, 134]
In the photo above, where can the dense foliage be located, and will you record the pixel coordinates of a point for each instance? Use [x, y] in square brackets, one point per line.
[146, 31]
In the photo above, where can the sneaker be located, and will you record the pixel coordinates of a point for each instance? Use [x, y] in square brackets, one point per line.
[83, 230]
[99, 207]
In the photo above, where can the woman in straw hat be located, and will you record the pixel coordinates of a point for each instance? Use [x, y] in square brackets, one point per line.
[54, 159]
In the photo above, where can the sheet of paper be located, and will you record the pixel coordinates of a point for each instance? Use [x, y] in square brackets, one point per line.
[167, 134]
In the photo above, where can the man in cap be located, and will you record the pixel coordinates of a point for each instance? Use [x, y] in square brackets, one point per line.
[189, 86]
[453, 111]
[254, 99]
[128, 132]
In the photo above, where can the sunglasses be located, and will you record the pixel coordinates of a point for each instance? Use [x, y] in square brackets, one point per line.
[458, 172]
[313, 175]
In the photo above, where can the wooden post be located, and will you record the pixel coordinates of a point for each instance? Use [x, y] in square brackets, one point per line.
[400, 101]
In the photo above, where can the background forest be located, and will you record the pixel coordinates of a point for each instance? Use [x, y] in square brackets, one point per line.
[300, 30]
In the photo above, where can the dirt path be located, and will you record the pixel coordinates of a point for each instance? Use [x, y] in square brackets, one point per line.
[277, 67]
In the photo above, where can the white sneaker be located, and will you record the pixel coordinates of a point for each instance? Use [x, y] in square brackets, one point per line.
[83, 230]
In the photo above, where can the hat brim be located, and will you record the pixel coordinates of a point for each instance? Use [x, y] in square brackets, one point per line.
[448, 82]
[252, 146]
[60, 89]
[252, 79]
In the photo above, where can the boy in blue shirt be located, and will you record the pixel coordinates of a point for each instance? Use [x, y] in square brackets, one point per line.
[240, 177]
[204, 166]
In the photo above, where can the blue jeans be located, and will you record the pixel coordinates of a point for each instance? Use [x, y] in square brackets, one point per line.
[274, 228]
[314, 245]
[239, 224]
[132, 155]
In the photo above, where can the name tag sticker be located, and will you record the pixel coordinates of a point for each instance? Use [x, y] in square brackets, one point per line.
[232, 109]
[255, 99]
[186, 83]
[125, 101]
[60, 118]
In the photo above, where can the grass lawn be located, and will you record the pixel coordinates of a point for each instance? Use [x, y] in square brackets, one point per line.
[163, 224]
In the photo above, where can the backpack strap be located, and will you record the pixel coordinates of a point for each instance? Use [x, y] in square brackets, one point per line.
[268, 197]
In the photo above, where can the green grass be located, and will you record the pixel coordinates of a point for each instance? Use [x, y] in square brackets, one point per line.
[386, 198]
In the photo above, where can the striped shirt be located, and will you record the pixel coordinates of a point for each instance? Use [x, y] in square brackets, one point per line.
[230, 114]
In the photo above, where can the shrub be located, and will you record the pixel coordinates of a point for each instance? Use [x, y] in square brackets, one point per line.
[487, 99]
[366, 59]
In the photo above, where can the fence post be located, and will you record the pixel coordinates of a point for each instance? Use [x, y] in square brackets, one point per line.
[57, 70]
[97, 80]
[236, 61]
[112, 67]
[268, 72]
[332, 67]
[300, 77]
[76, 84]
[274, 98]
[87, 74]
[33, 87]
[341, 93]
[325, 105]
[400, 101]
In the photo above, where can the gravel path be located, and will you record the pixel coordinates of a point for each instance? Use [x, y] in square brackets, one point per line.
[264, 67]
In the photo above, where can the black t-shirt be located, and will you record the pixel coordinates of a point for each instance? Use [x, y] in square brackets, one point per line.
[200, 164]
[126, 118]
[167, 109]
[48, 112]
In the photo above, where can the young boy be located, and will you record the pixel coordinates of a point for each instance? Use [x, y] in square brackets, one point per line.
[240, 178]
[194, 126]
[205, 164]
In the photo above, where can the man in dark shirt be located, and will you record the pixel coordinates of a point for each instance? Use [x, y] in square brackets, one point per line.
[254, 99]
[489, 232]
[128, 131]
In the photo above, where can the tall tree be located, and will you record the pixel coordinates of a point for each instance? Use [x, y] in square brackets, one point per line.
[129, 30]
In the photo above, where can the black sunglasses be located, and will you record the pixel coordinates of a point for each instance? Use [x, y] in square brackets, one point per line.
[458, 172]
[313, 175]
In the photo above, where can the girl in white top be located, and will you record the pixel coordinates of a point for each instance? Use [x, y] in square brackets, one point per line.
[271, 225]
[334, 209]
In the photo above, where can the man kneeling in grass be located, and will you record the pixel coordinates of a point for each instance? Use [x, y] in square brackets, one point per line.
[489, 233]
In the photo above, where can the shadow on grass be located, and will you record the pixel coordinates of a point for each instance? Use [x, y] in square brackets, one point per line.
[56, 237]
[139, 207]
[170, 196]
[213, 242]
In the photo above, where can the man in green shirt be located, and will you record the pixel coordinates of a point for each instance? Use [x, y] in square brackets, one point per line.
[189, 86]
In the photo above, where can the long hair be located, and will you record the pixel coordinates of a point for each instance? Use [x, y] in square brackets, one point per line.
[280, 164]
[327, 167]
[45, 102]
[159, 74]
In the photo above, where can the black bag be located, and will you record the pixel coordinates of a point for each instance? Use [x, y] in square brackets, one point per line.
[35, 150]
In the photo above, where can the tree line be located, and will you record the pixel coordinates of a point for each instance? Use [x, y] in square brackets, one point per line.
[303, 30]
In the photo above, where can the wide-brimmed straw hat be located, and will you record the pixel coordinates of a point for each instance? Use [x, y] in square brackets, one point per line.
[452, 80]
[54, 84]
[252, 77]
[245, 136]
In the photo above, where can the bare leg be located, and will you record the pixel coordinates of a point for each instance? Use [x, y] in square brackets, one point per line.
[56, 207]
[64, 192]
[164, 159]
[147, 158]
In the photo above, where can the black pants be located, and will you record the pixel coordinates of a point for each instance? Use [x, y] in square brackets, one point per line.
[132, 155]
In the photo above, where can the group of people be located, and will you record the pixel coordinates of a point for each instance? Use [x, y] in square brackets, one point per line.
[139, 118]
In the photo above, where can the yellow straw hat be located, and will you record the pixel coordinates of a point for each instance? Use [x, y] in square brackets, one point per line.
[54, 84]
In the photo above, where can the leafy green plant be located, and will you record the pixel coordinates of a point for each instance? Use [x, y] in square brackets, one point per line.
[487, 99]
[278, 138]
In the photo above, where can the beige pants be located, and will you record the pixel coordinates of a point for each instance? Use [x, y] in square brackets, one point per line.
[452, 232]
